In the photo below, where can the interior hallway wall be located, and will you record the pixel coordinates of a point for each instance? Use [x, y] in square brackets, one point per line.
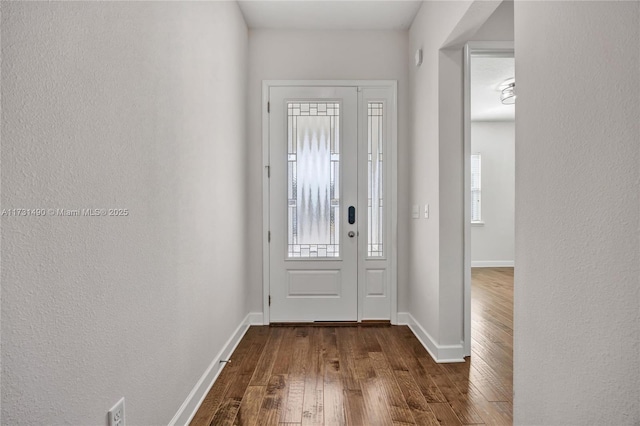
[492, 243]
[577, 279]
[129, 105]
[436, 280]
[324, 55]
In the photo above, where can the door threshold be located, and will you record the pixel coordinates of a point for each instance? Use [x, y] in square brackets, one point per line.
[364, 323]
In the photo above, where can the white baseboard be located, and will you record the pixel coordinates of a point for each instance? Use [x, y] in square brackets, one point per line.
[492, 263]
[189, 407]
[403, 318]
[256, 318]
[439, 353]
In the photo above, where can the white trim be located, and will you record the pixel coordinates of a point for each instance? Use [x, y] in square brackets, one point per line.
[190, 406]
[440, 353]
[492, 263]
[404, 318]
[265, 204]
[473, 48]
[466, 245]
[255, 318]
[492, 49]
[393, 259]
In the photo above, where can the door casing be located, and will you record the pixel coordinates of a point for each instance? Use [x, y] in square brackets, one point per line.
[392, 157]
[473, 48]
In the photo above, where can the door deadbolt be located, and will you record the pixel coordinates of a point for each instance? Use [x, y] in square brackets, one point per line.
[352, 215]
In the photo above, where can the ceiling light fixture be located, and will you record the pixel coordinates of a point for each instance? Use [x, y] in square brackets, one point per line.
[508, 91]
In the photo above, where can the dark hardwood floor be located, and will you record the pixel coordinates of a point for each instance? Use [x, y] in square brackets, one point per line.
[375, 375]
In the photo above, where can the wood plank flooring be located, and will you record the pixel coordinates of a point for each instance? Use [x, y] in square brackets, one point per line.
[375, 375]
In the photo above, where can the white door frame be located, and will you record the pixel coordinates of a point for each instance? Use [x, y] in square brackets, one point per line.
[393, 194]
[473, 48]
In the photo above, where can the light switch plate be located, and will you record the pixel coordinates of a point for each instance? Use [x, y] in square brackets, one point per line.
[426, 211]
[418, 57]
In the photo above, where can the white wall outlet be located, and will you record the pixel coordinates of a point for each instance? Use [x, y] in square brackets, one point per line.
[426, 211]
[116, 414]
[415, 211]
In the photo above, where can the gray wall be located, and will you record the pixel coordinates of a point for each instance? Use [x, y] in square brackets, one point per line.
[577, 287]
[436, 160]
[120, 105]
[492, 243]
[429, 30]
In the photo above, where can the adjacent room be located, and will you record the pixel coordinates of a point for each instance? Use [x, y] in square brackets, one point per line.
[490, 230]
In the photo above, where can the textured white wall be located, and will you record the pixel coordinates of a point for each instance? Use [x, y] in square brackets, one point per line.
[135, 105]
[495, 141]
[325, 55]
[577, 284]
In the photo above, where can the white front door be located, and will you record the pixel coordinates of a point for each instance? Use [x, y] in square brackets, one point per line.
[313, 136]
[328, 221]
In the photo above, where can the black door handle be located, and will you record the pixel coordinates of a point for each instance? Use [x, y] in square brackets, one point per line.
[352, 215]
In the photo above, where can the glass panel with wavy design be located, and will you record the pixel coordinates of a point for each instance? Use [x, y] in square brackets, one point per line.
[375, 190]
[313, 179]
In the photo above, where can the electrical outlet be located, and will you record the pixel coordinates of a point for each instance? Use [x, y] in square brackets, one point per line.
[116, 414]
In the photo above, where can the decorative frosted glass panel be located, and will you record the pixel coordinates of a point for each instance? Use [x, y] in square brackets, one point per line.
[375, 142]
[313, 179]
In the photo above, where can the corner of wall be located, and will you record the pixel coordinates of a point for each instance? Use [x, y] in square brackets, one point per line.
[440, 353]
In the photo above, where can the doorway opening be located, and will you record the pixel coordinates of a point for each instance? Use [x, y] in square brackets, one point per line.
[489, 149]
[329, 201]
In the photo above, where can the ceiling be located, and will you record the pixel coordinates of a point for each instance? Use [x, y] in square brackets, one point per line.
[486, 75]
[330, 15]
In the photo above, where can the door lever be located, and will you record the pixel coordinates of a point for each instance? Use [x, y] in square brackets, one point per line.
[352, 215]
